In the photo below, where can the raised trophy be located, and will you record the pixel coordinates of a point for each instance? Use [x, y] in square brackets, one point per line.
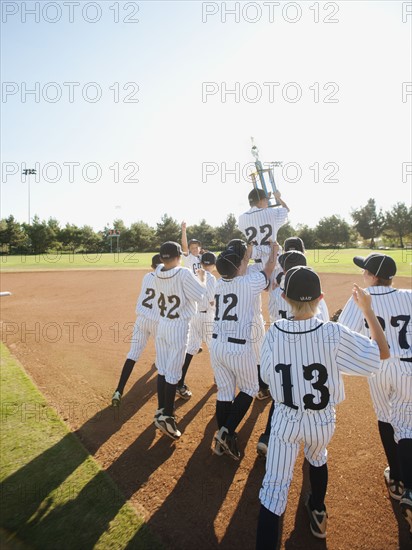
[258, 177]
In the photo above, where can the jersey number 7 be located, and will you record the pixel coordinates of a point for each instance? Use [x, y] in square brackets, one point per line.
[403, 343]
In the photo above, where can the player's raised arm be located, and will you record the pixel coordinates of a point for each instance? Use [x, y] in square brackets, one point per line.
[185, 247]
[364, 301]
[245, 260]
[271, 262]
[281, 201]
[201, 275]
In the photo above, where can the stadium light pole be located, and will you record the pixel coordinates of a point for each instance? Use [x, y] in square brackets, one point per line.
[27, 172]
[28, 202]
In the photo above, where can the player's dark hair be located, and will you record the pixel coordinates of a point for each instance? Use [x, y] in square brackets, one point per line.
[256, 195]
[156, 260]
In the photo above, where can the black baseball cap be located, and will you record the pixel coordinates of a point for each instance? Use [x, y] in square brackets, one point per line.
[291, 259]
[238, 246]
[293, 243]
[302, 284]
[256, 195]
[228, 263]
[208, 258]
[380, 265]
[193, 241]
[170, 249]
[156, 260]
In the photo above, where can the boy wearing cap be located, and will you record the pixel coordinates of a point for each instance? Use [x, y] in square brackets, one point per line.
[191, 258]
[279, 308]
[294, 244]
[391, 388]
[291, 244]
[206, 308]
[178, 290]
[302, 361]
[258, 322]
[232, 355]
[202, 322]
[145, 325]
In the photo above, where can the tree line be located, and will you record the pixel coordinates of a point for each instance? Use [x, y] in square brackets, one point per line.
[393, 228]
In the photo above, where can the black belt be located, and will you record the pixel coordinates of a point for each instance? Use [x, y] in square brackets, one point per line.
[258, 261]
[232, 340]
[202, 311]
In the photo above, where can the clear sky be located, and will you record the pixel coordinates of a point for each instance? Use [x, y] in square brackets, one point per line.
[322, 86]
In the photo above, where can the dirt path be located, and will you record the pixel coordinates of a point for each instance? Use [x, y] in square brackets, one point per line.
[71, 330]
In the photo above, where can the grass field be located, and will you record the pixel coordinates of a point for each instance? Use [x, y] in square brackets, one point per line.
[53, 493]
[323, 261]
[130, 260]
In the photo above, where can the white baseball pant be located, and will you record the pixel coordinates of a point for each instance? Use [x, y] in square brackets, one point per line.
[234, 368]
[171, 345]
[289, 429]
[142, 330]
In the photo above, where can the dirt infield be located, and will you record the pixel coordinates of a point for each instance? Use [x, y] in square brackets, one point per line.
[71, 330]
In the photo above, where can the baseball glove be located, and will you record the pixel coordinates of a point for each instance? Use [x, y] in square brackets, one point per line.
[335, 316]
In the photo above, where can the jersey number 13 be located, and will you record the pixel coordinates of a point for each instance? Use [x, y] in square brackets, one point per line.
[308, 374]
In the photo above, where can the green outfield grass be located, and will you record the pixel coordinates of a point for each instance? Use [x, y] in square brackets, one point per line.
[129, 260]
[341, 260]
[324, 261]
[53, 493]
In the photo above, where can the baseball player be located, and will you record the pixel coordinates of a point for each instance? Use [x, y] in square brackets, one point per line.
[302, 361]
[145, 325]
[191, 259]
[391, 389]
[294, 243]
[191, 251]
[261, 223]
[178, 290]
[278, 307]
[291, 244]
[232, 355]
[202, 322]
[281, 309]
[258, 323]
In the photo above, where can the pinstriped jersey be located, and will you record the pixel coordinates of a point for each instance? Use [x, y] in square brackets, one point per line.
[177, 291]
[280, 309]
[235, 303]
[262, 224]
[204, 304]
[262, 252]
[146, 302]
[256, 268]
[393, 308]
[260, 255]
[192, 262]
[303, 362]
